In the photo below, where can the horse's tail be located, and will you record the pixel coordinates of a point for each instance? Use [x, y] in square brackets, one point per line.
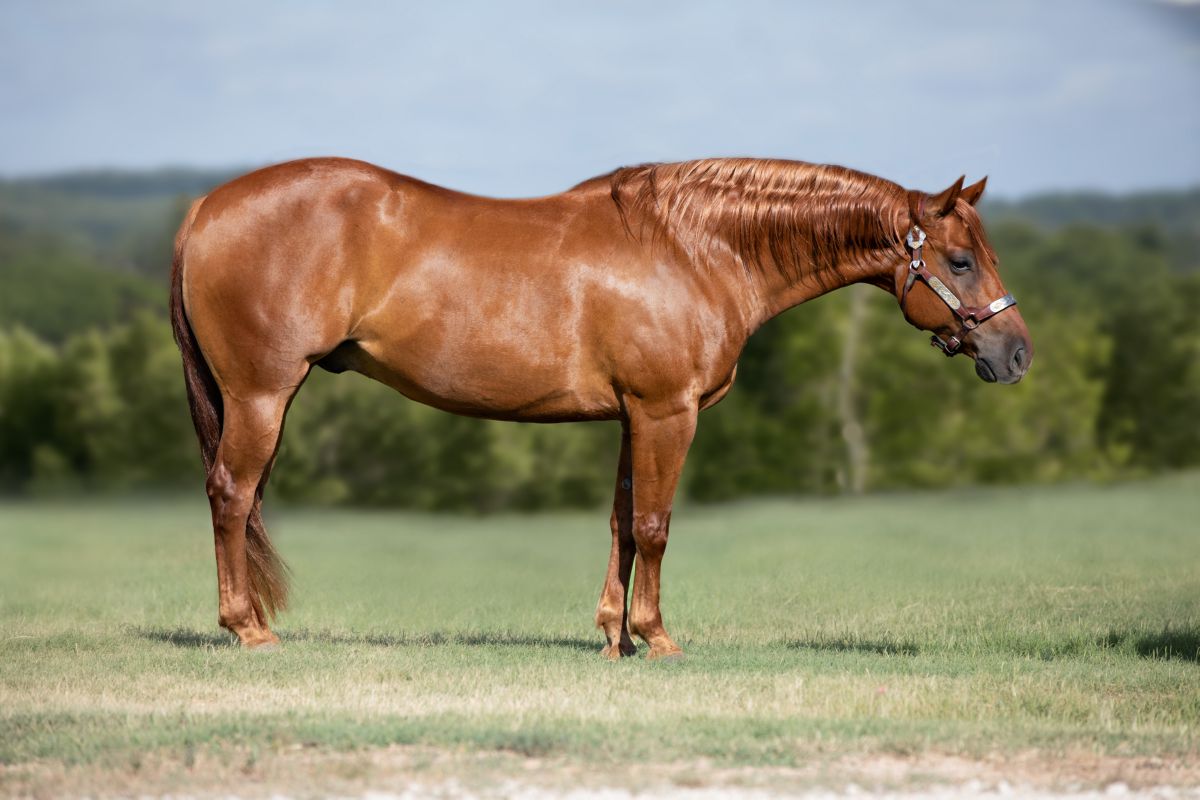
[268, 574]
[204, 397]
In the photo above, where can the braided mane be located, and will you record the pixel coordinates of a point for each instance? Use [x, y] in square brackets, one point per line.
[799, 218]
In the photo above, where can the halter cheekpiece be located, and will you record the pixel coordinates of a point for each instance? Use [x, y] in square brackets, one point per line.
[970, 317]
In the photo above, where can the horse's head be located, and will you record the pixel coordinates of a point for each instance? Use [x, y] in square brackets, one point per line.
[951, 288]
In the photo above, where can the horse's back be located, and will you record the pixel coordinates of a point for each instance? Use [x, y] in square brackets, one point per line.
[359, 223]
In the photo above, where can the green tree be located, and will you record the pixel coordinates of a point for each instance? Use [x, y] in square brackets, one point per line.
[777, 430]
[1151, 403]
[27, 413]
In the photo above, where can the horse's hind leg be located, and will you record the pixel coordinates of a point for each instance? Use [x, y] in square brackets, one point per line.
[612, 610]
[249, 438]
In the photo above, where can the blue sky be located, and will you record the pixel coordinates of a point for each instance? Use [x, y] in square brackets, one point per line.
[519, 98]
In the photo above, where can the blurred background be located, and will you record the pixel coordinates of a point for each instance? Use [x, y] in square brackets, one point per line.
[1084, 115]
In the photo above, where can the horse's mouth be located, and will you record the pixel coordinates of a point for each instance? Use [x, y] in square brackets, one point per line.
[984, 370]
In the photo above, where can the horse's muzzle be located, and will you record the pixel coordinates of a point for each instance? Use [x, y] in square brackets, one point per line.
[1007, 363]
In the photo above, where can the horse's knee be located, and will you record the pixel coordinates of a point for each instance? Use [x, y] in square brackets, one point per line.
[650, 531]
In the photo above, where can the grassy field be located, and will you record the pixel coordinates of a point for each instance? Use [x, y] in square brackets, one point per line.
[980, 624]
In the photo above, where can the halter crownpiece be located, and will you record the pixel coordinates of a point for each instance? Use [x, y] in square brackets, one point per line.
[970, 316]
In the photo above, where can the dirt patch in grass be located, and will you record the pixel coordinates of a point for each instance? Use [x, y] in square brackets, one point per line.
[405, 771]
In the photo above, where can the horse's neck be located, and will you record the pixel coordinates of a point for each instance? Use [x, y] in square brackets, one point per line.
[778, 292]
[776, 288]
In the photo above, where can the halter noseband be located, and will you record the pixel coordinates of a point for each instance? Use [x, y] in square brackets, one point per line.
[970, 316]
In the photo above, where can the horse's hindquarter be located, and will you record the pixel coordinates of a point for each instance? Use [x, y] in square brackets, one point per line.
[519, 309]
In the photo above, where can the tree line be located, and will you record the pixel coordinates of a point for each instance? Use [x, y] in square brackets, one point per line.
[92, 399]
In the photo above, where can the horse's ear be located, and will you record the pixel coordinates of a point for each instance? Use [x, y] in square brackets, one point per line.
[973, 192]
[942, 204]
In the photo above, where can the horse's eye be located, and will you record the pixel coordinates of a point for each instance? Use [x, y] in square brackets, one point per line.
[960, 265]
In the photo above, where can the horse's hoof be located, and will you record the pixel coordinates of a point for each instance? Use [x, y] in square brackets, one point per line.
[619, 651]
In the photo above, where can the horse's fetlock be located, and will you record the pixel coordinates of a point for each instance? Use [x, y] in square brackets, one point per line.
[644, 623]
[236, 613]
[607, 614]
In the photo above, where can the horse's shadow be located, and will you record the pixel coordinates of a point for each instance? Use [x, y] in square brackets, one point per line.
[189, 638]
[871, 646]
[1181, 644]
[1178, 644]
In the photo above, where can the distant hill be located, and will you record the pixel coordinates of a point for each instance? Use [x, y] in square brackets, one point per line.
[87, 249]
[115, 184]
[1175, 214]
[1173, 210]
[120, 218]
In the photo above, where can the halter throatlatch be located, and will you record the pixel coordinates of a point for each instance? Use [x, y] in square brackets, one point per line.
[970, 317]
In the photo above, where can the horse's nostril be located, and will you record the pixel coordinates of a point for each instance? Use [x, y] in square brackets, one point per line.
[1018, 358]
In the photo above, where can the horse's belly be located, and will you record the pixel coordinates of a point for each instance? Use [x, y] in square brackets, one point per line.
[490, 381]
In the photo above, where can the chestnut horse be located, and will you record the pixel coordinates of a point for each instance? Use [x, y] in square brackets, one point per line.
[627, 297]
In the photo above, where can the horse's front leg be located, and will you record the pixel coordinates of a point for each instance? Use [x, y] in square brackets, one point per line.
[612, 610]
[660, 435]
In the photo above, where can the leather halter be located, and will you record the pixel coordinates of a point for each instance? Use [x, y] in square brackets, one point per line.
[969, 316]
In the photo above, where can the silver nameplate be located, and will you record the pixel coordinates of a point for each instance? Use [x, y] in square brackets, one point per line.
[944, 293]
[999, 305]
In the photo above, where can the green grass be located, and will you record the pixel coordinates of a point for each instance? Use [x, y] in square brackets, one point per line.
[1055, 619]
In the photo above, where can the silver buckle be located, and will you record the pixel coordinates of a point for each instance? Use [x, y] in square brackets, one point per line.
[915, 238]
